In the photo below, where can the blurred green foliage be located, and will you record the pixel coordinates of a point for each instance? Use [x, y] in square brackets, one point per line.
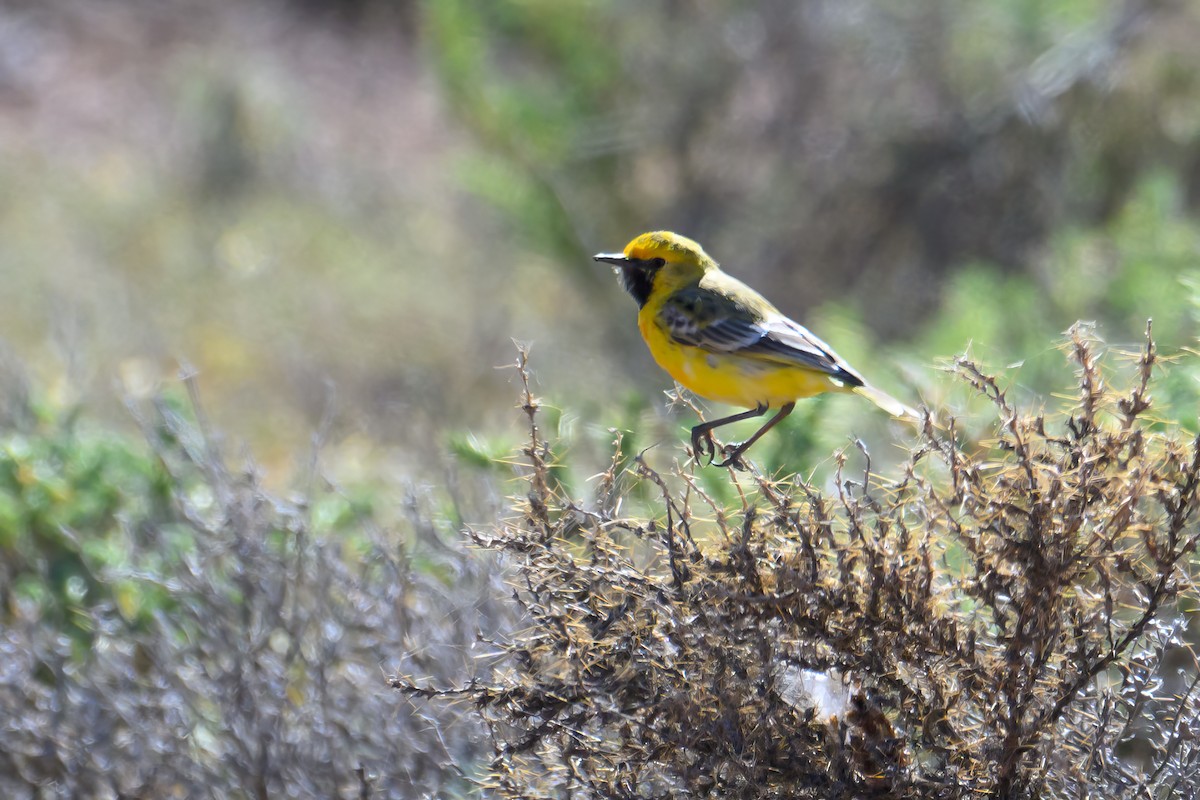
[566, 73]
[80, 503]
[72, 499]
[171, 629]
[822, 148]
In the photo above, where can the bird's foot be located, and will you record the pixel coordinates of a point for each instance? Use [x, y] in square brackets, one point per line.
[733, 457]
[703, 445]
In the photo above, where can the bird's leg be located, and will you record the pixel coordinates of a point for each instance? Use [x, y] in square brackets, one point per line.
[702, 440]
[733, 453]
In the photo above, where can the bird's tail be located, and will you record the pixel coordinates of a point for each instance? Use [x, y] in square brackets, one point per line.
[889, 404]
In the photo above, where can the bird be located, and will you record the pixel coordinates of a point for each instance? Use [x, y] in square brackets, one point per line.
[727, 343]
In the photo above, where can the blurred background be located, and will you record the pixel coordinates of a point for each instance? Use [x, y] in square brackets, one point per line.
[338, 216]
[347, 210]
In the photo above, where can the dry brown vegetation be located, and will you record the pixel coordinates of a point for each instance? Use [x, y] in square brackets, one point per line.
[1004, 616]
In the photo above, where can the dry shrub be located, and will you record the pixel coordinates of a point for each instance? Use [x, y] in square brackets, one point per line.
[259, 674]
[1003, 618]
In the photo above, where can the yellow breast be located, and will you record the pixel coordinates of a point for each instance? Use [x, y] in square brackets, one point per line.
[738, 380]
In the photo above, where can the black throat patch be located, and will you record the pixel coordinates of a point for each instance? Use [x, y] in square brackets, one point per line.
[638, 281]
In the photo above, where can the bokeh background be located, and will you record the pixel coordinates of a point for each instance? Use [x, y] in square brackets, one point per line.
[337, 217]
[346, 211]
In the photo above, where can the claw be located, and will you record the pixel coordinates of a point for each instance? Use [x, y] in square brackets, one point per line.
[703, 445]
[733, 458]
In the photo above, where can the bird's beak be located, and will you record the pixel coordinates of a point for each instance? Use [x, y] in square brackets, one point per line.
[616, 259]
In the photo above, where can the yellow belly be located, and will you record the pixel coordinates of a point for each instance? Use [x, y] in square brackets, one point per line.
[736, 380]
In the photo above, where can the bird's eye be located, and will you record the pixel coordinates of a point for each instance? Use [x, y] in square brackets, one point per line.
[658, 262]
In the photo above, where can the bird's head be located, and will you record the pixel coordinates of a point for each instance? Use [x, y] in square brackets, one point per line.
[661, 256]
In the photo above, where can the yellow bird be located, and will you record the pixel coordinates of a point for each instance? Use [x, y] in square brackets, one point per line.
[726, 342]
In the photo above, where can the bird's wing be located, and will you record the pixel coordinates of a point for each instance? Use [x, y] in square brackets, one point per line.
[719, 323]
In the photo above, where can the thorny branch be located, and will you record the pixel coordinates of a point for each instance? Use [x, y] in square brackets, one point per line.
[978, 607]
